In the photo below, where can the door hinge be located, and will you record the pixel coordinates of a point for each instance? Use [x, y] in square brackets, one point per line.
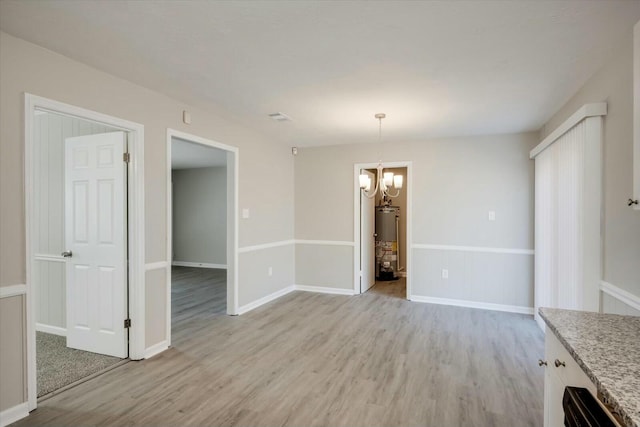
[126, 157]
[127, 323]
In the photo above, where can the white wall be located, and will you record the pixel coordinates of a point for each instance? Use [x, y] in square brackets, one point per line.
[613, 84]
[25, 67]
[50, 132]
[200, 215]
[456, 181]
[609, 304]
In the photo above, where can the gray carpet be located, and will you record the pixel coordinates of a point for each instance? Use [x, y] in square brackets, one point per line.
[59, 366]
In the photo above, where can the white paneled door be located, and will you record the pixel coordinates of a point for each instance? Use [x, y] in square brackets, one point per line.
[95, 239]
[367, 242]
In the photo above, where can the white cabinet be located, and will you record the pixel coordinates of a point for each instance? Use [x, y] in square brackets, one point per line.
[561, 371]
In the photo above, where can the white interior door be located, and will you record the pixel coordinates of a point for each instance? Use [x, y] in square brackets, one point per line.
[367, 242]
[95, 238]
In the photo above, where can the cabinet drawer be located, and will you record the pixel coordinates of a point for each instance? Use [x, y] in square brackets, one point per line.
[570, 373]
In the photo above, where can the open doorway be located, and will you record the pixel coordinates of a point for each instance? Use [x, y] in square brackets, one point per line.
[202, 232]
[199, 226]
[79, 280]
[124, 237]
[382, 231]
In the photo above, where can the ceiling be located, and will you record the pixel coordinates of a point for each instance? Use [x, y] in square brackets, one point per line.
[188, 155]
[436, 68]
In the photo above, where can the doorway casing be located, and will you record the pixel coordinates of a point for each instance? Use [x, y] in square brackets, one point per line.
[232, 222]
[356, 219]
[135, 225]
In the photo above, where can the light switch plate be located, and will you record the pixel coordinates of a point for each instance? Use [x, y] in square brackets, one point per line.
[445, 273]
[245, 213]
[492, 215]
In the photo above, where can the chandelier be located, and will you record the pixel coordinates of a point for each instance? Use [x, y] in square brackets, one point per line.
[385, 181]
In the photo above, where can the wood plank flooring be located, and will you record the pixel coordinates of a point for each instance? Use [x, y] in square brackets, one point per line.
[311, 359]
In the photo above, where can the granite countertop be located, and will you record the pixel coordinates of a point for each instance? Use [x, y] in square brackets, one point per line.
[607, 348]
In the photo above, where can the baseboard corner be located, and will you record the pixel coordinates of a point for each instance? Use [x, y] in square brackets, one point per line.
[55, 330]
[265, 299]
[13, 414]
[156, 349]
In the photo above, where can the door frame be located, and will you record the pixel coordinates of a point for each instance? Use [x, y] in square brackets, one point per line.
[356, 219]
[135, 225]
[368, 201]
[233, 162]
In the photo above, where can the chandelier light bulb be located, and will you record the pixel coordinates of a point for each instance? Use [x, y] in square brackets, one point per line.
[388, 179]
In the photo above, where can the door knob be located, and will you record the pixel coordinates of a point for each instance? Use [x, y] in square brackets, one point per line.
[542, 362]
[67, 254]
[559, 363]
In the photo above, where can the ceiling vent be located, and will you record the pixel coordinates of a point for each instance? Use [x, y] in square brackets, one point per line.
[280, 117]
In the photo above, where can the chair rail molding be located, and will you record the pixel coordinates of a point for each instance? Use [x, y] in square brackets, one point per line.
[12, 291]
[620, 294]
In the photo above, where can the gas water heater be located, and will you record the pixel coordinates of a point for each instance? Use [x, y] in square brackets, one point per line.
[387, 218]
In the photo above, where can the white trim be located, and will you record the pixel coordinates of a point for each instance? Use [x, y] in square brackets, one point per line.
[12, 291]
[325, 242]
[200, 140]
[11, 415]
[50, 258]
[356, 220]
[135, 221]
[636, 114]
[55, 330]
[279, 243]
[155, 265]
[474, 249]
[266, 299]
[473, 304]
[233, 166]
[198, 264]
[156, 349]
[587, 110]
[621, 295]
[324, 290]
[246, 249]
[282, 292]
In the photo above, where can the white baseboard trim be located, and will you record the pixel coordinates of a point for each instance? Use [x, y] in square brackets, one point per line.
[198, 264]
[282, 292]
[268, 298]
[323, 290]
[12, 291]
[156, 349]
[11, 415]
[473, 304]
[620, 294]
[55, 330]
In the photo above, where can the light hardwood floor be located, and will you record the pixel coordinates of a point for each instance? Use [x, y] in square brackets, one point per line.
[310, 359]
